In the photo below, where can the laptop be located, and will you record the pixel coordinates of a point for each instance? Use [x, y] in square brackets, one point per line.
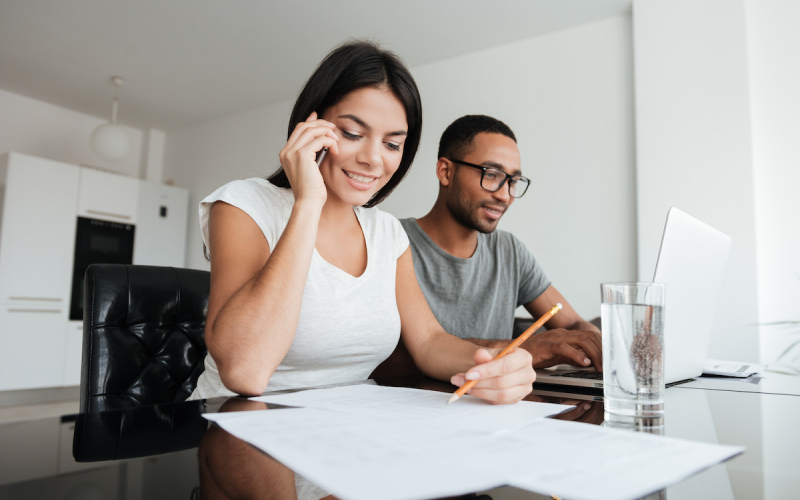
[691, 262]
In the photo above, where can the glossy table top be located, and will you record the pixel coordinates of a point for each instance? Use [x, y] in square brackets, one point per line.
[765, 383]
[720, 411]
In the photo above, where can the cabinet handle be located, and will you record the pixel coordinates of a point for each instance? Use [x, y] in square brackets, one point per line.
[109, 214]
[34, 310]
[42, 299]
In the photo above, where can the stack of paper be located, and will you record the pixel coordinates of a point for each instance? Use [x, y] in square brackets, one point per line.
[731, 368]
[367, 442]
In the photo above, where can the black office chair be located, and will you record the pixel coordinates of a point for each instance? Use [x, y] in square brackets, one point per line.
[142, 335]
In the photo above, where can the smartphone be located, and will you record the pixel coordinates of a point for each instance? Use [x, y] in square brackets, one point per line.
[321, 155]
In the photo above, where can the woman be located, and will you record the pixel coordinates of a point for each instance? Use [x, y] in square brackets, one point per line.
[312, 285]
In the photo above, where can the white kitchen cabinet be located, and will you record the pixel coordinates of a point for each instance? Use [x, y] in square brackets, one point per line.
[73, 353]
[107, 196]
[38, 229]
[161, 225]
[41, 201]
[33, 344]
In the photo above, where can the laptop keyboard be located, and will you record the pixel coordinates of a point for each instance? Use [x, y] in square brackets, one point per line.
[584, 374]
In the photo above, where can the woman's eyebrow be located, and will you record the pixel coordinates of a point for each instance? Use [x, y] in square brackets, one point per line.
[364, 124]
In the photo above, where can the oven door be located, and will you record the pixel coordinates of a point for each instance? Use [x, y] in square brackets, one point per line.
[98, 242]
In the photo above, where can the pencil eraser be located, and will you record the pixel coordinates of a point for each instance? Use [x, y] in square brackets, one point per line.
[559, 305]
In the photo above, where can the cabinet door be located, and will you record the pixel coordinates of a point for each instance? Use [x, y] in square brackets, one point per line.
[38, 230]
[73, 353]
[107, 196]
[161, 225]
[33, 341]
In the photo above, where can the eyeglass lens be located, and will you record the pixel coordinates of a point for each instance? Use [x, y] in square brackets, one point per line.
[492, 180]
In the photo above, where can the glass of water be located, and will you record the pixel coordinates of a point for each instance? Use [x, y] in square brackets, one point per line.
[633, 348]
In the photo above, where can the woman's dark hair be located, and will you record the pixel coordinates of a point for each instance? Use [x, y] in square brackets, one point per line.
[352, 66]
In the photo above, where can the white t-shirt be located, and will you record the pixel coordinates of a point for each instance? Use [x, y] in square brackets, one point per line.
[348, 325]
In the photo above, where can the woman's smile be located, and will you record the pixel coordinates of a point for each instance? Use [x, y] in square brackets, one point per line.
[360, 181]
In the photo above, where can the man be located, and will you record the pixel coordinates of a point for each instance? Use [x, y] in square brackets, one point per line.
[474, 276]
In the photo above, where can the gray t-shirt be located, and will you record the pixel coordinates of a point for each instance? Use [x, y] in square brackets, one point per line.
[476, 297]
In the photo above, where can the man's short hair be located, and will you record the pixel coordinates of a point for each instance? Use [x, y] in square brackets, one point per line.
[456, 140]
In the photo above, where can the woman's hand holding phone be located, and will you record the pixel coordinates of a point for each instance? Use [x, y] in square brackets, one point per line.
[298, 158]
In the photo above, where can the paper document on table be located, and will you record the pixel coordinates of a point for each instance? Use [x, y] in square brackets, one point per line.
[611, 464]
[418, 405]
[359, 457]
[731, 368]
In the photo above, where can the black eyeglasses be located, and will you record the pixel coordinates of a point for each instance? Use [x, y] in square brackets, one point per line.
[492, 179]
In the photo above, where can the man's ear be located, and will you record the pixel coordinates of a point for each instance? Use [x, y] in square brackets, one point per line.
[445, 170]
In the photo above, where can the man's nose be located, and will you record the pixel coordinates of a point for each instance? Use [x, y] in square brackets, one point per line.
[504, 193]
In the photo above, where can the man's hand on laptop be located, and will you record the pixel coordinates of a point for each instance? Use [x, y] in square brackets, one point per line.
[560, 346]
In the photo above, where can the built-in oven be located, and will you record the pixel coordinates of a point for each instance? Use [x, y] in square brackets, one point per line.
[98, 242]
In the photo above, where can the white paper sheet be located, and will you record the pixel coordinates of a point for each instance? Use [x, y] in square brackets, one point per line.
[418, 405]
[358, 457]
[363, 458]
[731, 368]
[588, 462]
[366, 442]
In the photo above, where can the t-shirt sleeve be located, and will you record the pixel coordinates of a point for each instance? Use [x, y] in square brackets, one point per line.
[399, 235]
[260, 201]
[532, 280]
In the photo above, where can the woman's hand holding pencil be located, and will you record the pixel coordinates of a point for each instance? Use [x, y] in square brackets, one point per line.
[484, 376]
[500, 381]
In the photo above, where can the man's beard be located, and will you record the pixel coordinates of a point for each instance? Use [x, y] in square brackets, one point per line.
[468, 214]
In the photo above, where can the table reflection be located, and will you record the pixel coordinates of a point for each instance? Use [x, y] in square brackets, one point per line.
[650, 425]
[231, 468]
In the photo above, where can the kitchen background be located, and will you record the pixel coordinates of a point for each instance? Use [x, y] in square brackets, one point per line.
[622, 109]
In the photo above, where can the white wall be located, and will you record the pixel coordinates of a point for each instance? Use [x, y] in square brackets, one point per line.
[41, 129]
[774, 54]
[693, 145]
[567, 96]
[203, 157]
[153, 168]
[773, 48]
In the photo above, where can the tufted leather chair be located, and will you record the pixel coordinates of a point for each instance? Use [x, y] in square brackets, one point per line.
[142, 335]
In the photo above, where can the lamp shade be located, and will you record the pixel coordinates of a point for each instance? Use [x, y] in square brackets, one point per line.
[110, 142]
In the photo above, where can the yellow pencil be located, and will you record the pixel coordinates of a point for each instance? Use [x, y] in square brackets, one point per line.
[522, 338]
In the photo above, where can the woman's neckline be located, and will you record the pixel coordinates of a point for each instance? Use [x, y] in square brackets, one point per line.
[339, 270]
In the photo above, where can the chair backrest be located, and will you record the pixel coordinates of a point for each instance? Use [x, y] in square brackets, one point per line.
[142, 335]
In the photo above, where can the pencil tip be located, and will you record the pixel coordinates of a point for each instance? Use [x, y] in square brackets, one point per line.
[452, 398]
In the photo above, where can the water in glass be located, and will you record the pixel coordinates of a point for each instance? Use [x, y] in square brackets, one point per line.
[633, 354]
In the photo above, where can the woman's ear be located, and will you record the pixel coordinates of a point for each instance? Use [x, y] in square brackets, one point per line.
[445, 170]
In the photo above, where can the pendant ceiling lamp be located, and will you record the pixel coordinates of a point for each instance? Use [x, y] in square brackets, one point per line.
[109, 141]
